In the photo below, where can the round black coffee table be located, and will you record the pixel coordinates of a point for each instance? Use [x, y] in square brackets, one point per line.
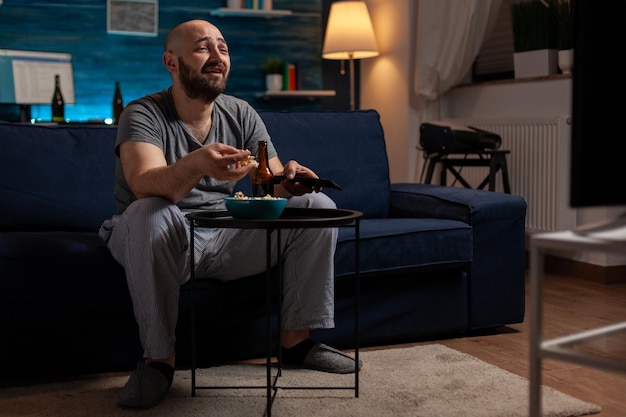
[291, 218]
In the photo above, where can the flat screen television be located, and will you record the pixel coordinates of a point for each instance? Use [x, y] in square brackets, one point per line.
[598, 158]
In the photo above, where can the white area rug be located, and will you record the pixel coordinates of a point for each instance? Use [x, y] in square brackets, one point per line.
[422, 381]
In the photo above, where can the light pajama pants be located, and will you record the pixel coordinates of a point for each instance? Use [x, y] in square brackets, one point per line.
[151, 239]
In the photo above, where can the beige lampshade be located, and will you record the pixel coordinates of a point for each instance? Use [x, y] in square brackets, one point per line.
[349, 32]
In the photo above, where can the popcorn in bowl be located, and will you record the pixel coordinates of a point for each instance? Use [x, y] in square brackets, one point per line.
[241, 196]
[244, 207]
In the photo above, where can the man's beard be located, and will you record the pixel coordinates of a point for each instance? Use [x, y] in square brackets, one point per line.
[199, 87]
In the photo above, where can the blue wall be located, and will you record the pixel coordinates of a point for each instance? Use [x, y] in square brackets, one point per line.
[99, 59]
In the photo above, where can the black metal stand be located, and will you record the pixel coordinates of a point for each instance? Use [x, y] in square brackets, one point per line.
[495, 160]
[291, 218]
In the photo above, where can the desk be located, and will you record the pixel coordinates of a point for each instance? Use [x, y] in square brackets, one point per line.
[605, 239]
[291, 218]
[495, 160]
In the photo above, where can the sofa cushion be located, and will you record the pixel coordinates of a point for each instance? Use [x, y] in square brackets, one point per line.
[62, 293]
[56, 177]
[74, 269]
[347, 147]
[404, 243]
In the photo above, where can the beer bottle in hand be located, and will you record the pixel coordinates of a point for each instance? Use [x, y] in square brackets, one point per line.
[263, 179]
[58, 104]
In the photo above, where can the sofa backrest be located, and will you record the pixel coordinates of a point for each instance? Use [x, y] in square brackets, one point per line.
[56, 177]
[61, 177]
[347, 147]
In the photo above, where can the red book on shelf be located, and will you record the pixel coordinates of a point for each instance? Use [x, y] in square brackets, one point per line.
[292, 77]
[298, 77]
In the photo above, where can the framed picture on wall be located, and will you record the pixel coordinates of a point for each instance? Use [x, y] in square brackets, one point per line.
[133, 17]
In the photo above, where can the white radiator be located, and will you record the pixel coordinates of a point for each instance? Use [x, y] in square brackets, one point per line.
[538, 165]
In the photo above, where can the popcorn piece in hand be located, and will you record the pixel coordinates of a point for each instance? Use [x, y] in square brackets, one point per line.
[249, 160]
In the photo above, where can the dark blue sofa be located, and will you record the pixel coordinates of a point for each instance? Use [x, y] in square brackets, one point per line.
[436, 262]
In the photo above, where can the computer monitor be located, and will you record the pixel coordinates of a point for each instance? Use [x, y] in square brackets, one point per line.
[27, 77]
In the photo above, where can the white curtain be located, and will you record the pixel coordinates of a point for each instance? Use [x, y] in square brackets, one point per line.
[449, 36]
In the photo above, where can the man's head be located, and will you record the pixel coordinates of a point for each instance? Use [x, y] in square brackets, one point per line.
[196, 55]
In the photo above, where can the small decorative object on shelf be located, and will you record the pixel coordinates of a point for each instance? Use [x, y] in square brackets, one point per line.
[290, 76]
[535, 39]
[566, 61]
[565, 22]
[249, 4]
[273, 69]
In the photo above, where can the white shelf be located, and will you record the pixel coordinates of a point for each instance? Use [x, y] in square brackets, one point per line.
[226, 12]
[299, 93]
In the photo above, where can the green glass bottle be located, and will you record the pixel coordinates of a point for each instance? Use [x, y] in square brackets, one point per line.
[58, 104]
[118, 104]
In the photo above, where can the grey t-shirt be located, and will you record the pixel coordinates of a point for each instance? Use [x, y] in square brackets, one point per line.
[153, 119]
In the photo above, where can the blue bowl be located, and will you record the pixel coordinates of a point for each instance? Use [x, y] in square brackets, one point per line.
[255, 207]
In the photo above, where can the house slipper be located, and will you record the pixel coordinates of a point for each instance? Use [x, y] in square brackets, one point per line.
[327, 359]
[144, 388]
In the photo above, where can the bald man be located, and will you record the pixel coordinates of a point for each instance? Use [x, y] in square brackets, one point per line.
[178, 151]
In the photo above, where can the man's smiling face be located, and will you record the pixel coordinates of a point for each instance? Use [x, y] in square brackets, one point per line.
[204, 63]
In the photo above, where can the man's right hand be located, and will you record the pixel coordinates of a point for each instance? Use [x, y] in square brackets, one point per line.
[226, 162]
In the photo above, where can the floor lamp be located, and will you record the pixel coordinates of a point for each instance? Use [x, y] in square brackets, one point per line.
[349, 35]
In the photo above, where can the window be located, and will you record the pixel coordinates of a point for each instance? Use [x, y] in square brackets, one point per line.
[495, 59]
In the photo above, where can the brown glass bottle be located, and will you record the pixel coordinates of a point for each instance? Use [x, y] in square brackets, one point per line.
[263, 179]
[58, 104]
[118, 104]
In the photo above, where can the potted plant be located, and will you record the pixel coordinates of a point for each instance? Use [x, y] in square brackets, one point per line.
[564, 10]
[273, 69]
[535, 37]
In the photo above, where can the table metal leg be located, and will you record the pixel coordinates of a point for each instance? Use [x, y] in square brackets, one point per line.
[430, 169]
[536, 329]
[493, 170]
[443, 173]
[505, 174]
[357, 300]
[268, 306]
[279, 263]
[193, 308]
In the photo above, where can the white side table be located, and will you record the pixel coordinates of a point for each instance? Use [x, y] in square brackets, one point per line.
[610, 238]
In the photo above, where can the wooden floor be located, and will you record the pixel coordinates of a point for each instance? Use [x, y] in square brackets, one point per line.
[571, 305]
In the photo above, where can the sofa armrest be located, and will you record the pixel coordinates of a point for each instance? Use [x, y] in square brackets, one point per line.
[498, 264]
[453, 203]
